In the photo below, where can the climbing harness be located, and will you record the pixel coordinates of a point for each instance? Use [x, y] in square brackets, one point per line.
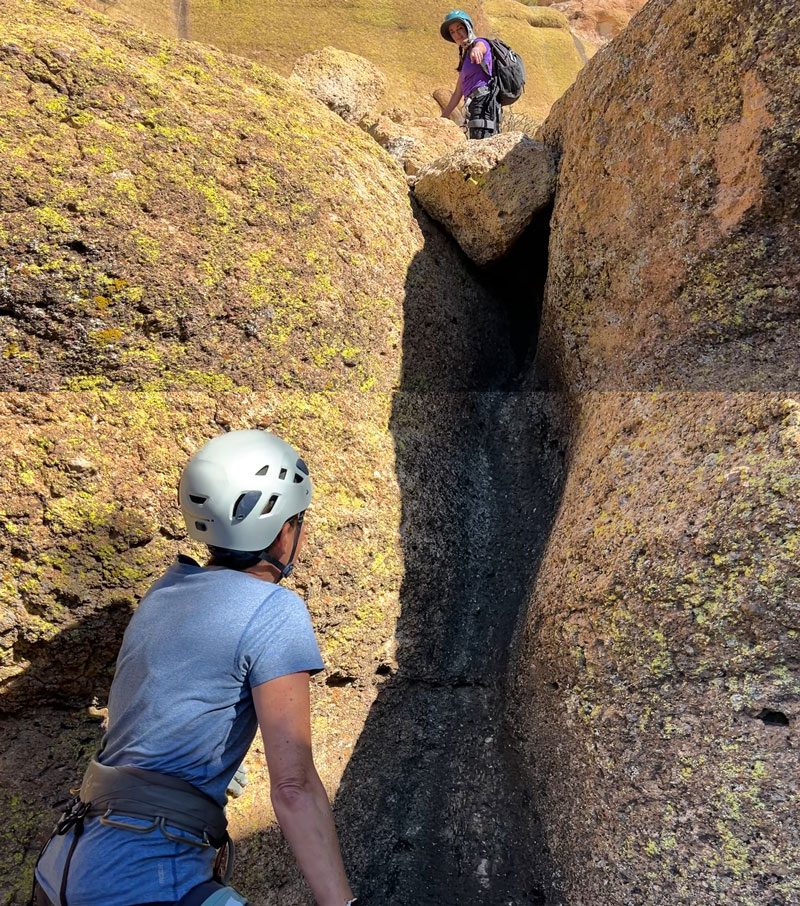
[484, 114]
[114, 793]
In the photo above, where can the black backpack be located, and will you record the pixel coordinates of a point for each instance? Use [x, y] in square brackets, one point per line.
[508, 70]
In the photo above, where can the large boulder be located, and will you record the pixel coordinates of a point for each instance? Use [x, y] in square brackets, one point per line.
[415, 141]
[657, 688]
[657, 692]
[172, 217]
[673, 259]
[347, 83]
[487, 193]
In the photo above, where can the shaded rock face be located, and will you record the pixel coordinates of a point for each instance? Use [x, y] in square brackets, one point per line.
[172, 218]
[657, 685]
[89, 520]
[350, 85]
[415, 141]
[487, 193]
[674, 249]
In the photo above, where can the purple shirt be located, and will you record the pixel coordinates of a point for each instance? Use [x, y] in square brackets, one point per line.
[473, 75]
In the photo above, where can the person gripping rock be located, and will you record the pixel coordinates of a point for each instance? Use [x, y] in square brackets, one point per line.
[475, 77]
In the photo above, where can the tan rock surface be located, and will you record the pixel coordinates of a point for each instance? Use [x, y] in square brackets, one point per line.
[215, 229]
[415, 141]
[347, 83]
[657, 688]
[486, 193]
[551, 54]
[674, 242]
[596, 22]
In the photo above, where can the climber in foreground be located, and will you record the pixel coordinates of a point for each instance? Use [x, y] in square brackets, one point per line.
[475, 77]
[211, 652]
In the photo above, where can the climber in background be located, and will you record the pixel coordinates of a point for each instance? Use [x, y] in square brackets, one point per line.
[211, 653]
[475, 82]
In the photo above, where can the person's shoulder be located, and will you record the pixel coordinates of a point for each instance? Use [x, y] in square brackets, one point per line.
[289, 600]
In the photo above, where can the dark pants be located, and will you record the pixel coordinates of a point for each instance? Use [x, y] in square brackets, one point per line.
[484, 113]
[195, 897]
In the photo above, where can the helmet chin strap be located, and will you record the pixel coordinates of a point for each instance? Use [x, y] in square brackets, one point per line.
[286, 569]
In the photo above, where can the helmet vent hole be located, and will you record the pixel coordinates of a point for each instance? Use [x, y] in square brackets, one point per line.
[201, 526]
[244, 505]
[298, 478]
[270, 505]
[196, 498]
[282, 474]
[263, 470]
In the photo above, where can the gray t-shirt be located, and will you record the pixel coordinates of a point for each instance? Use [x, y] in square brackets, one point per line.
[181, 704]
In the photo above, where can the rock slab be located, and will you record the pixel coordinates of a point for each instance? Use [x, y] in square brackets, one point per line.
[487, 193]
[347, 83]
[415, 141]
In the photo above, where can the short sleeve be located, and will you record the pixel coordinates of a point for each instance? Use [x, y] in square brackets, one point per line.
[279, 640]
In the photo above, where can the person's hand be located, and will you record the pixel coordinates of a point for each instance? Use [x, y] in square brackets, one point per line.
[237, 783]
[477, 53]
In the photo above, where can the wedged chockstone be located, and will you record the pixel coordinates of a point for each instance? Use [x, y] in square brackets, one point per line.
[487, 192]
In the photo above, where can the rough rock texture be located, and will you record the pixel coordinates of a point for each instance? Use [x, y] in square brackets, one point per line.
[347, 83]
[487, 193]
[595, 22]
[673, 260]
[414, 142]
[658, 685]
[171, 217]
[542, 37]
[658, 681]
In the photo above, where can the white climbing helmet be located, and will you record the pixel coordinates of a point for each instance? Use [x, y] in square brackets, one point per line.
[239, 489]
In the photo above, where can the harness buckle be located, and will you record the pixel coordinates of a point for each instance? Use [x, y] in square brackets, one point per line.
[74, 816]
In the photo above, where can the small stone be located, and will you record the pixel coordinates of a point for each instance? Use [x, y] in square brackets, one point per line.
[81, 464]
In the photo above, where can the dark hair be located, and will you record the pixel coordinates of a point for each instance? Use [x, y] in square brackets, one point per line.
[240, 560]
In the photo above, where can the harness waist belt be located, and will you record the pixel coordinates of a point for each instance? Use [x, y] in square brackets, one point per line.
[137, 793]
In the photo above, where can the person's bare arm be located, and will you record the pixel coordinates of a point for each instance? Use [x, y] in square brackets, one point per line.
[454, 100]
[298, 796]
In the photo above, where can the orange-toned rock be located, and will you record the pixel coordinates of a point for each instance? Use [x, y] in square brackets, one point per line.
[596, 22]
[674, 248]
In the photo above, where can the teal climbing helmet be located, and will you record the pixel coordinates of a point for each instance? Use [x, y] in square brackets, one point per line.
[455, 15]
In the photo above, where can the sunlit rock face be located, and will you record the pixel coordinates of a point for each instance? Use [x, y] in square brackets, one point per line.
[673, 260]
[658, 691]
[347, 83]
[596, 22]
[171, 217]
[486, 193]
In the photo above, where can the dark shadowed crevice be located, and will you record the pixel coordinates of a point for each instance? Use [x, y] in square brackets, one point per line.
[433, 807]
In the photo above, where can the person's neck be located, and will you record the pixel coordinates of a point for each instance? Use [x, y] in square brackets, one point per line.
[264, 571]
